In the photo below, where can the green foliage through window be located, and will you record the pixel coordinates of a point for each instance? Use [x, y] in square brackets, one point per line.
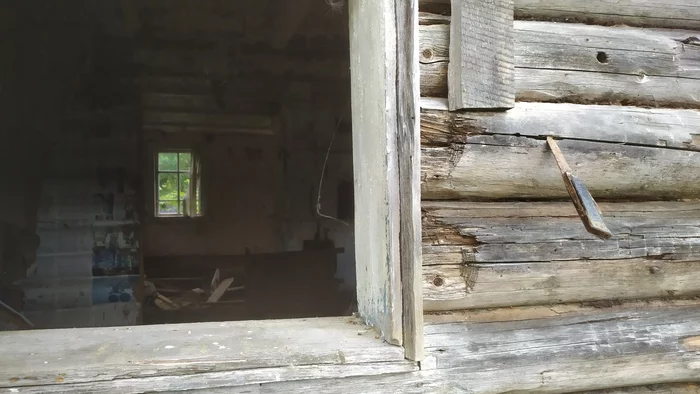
[174, 174]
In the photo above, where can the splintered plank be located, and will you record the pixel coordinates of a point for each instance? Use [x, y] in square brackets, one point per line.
[484, 255]
[481, 48]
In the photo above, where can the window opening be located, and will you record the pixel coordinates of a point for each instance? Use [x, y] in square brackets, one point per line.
[178, 177]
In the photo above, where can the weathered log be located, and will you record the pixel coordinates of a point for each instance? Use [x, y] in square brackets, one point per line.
[514, 232]
[670, 128]
[568, 354]
[498, 167]
[674, 14]
[554, 62]
[549, 257]
[473, 286]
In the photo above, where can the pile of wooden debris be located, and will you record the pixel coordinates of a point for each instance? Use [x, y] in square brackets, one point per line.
[179, 297]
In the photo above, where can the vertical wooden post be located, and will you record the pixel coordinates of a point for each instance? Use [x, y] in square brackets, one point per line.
[375, 161]
[481, 72]
[408, 94]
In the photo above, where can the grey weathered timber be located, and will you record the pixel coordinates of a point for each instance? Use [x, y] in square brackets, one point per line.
[680, 14]
[503, 166]
[603, 350]
[673, 14]
[672, 388]
[568, 354]
[530, 312]
[481, 72]
[476, 285]
[408, 143]
[203, 354]
[664, 128]
[373, 60]
[512, 232]
[554, 62]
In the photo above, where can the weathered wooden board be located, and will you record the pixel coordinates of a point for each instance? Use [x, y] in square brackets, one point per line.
[672, 128]
[499, 167]
[554, 62]
[553, 355]
[674, 388]
[519, 313]
[512, 232]
[163, 355]
[408, 140]
[568, 354]
[375, 126]
[678, 14]
[472, 286]
[481, 72]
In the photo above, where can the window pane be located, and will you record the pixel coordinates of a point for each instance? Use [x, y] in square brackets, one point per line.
[167, 161]
[184, 184]
[167, 187]
[185, 161]
[167, 208]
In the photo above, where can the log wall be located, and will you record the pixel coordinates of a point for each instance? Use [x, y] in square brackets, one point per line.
[618, 85]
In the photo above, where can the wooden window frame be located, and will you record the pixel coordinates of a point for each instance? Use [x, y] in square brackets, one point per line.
[156, 179]
[386, 154]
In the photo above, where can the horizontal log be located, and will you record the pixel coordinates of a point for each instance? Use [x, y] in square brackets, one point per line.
[679, 14]
[475, 286]
[555, 62]
[512, 232]
[567, 354]
[530, 312]
[672, 128]
[503, 166]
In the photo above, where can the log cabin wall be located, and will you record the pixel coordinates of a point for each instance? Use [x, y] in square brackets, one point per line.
[617, 84]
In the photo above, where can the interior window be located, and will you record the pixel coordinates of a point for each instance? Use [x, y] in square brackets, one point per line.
[178, 184]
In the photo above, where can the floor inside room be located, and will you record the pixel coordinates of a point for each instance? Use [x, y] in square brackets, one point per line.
[172, 162]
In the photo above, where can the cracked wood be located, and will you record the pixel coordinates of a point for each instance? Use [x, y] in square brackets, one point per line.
[601, 350]
[582, 63]
[677, 14]
[485, 255]
[502, 166]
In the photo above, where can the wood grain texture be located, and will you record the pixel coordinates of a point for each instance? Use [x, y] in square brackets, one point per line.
[376, 172]
[663, 128]
[677, 14]
[568, 354]
[499, 167]
[550, 258]
[204, 354]
[554, 62]
[514, 232]
[408, 144]
[520, 313]
[472, 286]
[481, 72]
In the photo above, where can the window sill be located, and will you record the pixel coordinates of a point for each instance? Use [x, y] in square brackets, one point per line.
[195, 356]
